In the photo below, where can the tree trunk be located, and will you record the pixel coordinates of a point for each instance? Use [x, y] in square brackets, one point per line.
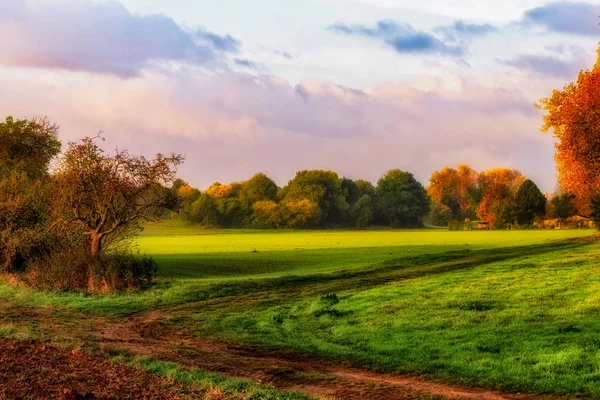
[96, 245]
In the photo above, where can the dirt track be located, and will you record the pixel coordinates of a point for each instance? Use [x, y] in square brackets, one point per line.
[145, 335]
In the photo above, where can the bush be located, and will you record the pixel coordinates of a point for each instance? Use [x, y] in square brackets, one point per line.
[595, 210]
[76, 270]
[440, 214]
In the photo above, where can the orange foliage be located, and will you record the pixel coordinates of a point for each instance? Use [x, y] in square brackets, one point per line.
[454, 188]
[499, 187]
[573, 114]
[220, 190]
[185, 191]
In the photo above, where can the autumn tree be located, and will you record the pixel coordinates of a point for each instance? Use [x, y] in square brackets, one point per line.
[456, 189]
[403, 200]
[107, 196]
[530, 202]
[573, 114]
[499, 189]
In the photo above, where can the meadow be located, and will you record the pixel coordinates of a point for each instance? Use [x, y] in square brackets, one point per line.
[516, 311]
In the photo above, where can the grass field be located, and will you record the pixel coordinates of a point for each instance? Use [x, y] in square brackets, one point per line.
[510, 310]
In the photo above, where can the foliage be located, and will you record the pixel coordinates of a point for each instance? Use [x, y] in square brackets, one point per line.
[562, 206]
[403, 200]
[363, 211]
[106, 196]
[203, 211]
[27, 146]
[26, 150]
[530, 203]
[573, 114]
[258, 188]
[595, 210]
[302, 213]
[499, 187]
[457, 189]
[440, 214]
[323, 188]
[74, 269]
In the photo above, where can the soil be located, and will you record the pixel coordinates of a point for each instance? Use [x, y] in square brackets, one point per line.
[32, 370]
[146, 335]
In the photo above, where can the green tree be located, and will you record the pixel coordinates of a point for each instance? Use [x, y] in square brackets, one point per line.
[27, 146]
[440, 214]
[595, 210]
[351, 191]
[26, 149]
[530, 202]
[204, 211]
[258, 188]
[362, 212]
[365, 188]
[562, 206]
[323, 188]
[403, 200]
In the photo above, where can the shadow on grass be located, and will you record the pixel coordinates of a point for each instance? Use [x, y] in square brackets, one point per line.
[265, 289]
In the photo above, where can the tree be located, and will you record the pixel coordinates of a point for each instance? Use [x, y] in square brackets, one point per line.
[499, 189]
[351, 191]
[440, 214]
[365, 188]
[321, 187]
[456, 189]
[107, 196]
[530, 203]
[26, 149]
[258, 188]
[573, 114]
[362, 212]
[562, 206]
[27, 146]
[204, 211]
[595, 210]
[403, 199]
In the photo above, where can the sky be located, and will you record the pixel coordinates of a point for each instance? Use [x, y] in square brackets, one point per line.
[355, 86]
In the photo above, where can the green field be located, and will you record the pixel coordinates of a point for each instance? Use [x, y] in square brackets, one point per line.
[510, 310]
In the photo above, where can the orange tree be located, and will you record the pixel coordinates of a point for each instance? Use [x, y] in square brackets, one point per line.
[573, 114]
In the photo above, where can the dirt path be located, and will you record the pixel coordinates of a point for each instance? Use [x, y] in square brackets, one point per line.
[145, 335]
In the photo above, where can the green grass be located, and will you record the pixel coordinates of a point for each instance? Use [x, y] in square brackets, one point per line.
[513, 310]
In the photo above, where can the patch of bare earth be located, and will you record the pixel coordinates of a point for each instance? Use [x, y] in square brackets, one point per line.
[146, 336]
[32, 370]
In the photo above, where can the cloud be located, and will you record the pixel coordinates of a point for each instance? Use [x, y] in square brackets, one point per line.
[404, 38]
[572, 60]
[101, 37]
[565, 17]
[230, 125]
[284, 54]
[244, 63]
[224, 43]
[460, 30]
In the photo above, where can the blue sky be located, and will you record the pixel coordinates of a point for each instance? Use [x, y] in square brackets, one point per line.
[357, 86]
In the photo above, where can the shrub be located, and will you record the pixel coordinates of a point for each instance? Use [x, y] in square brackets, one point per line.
[595, 210]
[75, 269]
[440, 214]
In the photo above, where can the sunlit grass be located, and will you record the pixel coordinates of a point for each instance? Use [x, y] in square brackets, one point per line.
[514, 310]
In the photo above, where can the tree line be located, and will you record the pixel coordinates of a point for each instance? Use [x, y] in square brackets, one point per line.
[323, 199]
